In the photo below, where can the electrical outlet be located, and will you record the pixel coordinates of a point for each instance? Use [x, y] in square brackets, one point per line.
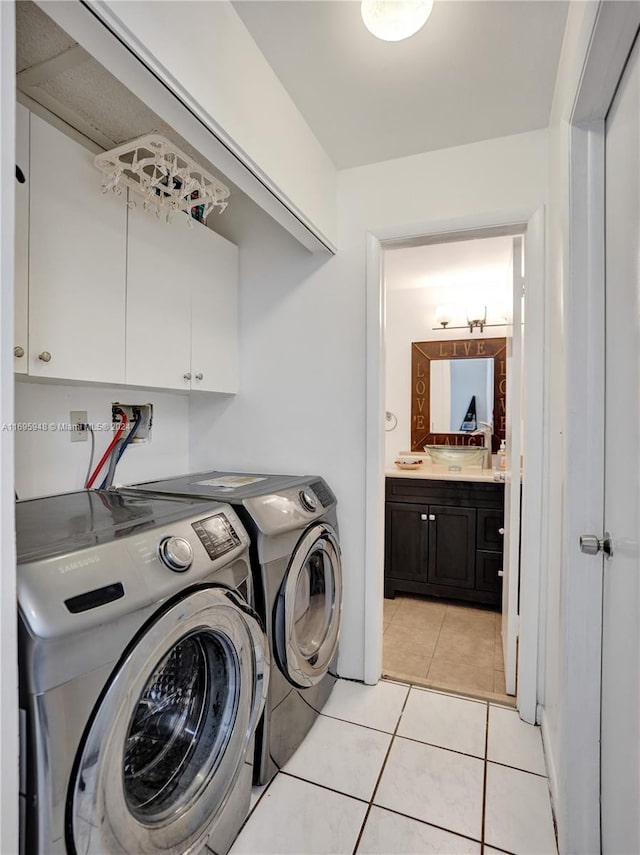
[78, 417]
[143, 434]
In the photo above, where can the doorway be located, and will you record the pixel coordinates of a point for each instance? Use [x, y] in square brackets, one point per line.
[444, 548]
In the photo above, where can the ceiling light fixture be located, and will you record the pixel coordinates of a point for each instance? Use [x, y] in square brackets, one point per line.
[394, 20]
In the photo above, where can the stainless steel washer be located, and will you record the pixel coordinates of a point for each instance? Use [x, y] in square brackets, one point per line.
[143, 673]
[298, 581]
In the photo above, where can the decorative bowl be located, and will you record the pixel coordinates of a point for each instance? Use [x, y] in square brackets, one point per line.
[415, 463]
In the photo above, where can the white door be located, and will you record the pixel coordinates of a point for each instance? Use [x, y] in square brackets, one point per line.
[21, 292]
[511, 569]
[620, 738]
[214, 311]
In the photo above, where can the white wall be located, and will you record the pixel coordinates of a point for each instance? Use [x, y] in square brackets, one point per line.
[210, 54]
[410, 317]
[48, 462]
[301, 407]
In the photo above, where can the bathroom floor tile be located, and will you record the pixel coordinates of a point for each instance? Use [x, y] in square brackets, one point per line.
[445, 721]
[386, 832]
[419, 641]
[295, 816]
[434, 785]
[376, 706]
[518, 812]
[399, 664]
[256, 793]
[342, 756]
[499, 685]
[459, 676]
[466, 644]
[513, 742]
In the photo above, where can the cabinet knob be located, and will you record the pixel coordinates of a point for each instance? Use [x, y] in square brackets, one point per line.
[187, 376]
[423, 516]
[500, 572]
[500, 531]
[432, 517]
[199, 376]
[18, 351]
[45, 356]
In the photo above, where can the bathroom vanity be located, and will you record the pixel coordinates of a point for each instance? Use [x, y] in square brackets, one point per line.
[444, 535]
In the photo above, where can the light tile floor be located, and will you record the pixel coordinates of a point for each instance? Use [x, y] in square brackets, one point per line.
[395, 769]
[444, 645]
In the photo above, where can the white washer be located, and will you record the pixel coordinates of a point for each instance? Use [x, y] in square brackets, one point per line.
[297, 571]
[143, 673]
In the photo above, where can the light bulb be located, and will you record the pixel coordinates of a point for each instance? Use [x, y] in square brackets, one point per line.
[394, 20]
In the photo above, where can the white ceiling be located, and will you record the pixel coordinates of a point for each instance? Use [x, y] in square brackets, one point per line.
[478, 69]
[480, 262]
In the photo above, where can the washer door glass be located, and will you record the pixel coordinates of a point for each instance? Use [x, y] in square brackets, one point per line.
[183, 722]
[309, 607]
[172, 732]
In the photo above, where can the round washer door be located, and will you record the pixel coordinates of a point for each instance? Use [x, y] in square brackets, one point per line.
[309, 605]
[171, 733]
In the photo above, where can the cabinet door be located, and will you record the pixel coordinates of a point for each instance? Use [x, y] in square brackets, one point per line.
[488, 568]
[407, 542]
[452, 546]
[21, 292]
[214, 311]
[490, 529]
[77, 258]
[159, 275]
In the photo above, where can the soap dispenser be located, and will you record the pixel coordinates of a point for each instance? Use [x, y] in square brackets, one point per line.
[502, 455]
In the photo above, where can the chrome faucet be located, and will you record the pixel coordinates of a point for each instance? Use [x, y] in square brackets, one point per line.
[486, 431]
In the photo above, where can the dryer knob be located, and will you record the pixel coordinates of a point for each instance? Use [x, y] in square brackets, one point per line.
[176, 553]
[307, 501]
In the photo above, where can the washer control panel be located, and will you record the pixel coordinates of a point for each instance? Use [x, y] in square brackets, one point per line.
[217, 535]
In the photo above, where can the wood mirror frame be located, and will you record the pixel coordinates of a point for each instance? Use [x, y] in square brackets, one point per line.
[422, 354]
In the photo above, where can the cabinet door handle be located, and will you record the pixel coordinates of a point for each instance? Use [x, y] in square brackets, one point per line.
[18, 351]
[199, 376]
[187, 376]
[500, 572]
[423, 516]
[432, 517]
[45, 356]
[500, 531]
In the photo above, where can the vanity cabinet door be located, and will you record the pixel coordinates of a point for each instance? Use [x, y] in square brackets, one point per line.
[488, 568]
[407, 544]
[452, 546]
[490, 528]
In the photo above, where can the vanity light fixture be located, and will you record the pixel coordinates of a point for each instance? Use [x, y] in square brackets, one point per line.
[444, 315]
[477, 317]
[394, 20]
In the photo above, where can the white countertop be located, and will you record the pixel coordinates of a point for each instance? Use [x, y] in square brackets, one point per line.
[433, 471]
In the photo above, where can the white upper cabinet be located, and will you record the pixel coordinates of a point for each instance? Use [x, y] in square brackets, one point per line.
[214, 313]
[21, 305]
[77, 264]
[181, 305]
[159, 272]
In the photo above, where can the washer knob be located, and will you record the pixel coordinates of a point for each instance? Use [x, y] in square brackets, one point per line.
[307, 501]
[176, 553]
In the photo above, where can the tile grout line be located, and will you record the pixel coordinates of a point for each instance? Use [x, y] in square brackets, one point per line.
[382, 768]
[484, 784]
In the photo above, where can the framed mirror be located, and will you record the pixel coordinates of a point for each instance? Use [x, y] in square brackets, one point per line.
[456, 385]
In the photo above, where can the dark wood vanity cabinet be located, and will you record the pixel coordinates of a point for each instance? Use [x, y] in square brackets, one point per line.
[444, 539]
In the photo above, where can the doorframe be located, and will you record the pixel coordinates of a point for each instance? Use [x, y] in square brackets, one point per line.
[491, 224]
[9, 788]
[612, 34]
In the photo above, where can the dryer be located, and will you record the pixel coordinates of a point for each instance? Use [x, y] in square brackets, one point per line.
[297, 571]
[143, 673]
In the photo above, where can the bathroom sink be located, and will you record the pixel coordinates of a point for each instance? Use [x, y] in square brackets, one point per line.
[459, 456]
